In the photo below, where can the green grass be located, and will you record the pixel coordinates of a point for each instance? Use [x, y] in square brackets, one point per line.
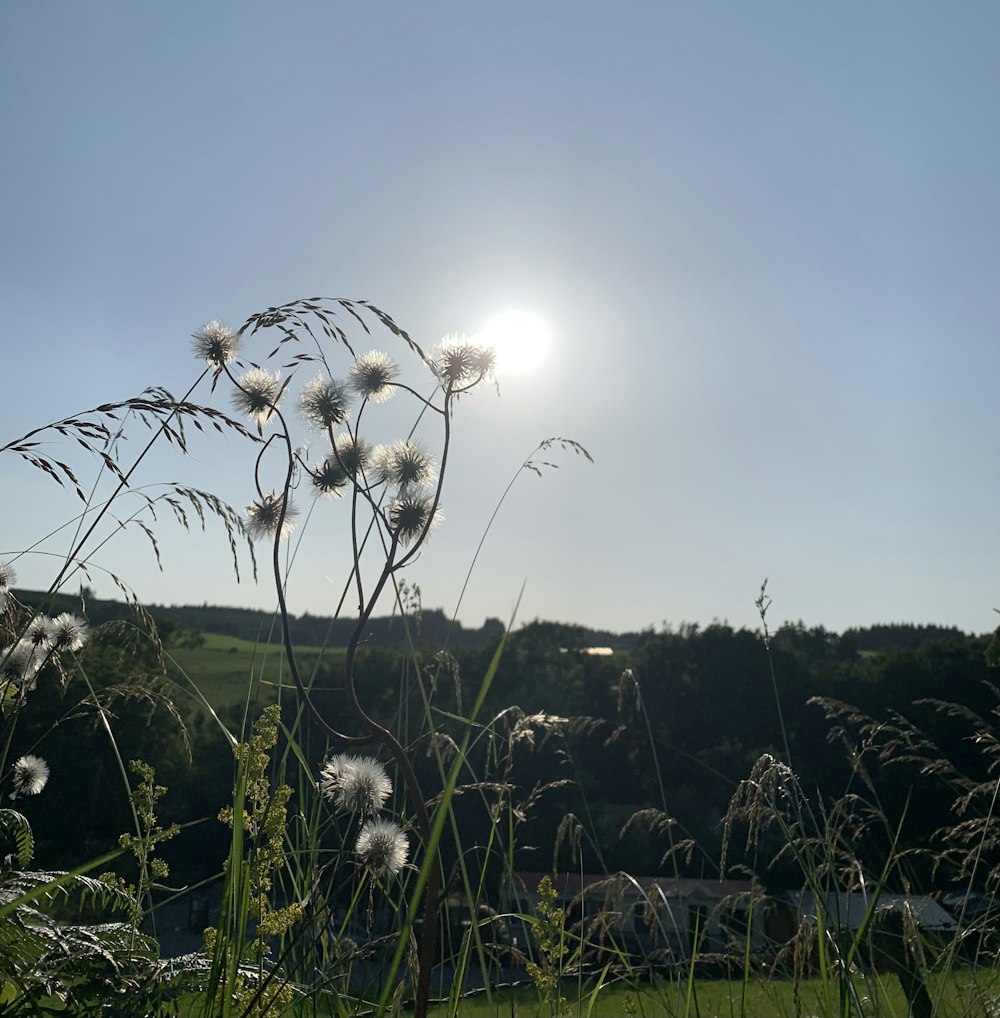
[224, 665]
[964, 994]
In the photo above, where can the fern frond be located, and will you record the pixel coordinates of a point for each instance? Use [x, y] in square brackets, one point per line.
[15, 825]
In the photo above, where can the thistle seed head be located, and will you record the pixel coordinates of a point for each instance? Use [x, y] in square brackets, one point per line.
[410, 514]
[330, 478]
[257, 395]
[7, 580]
[30, 775]
[68, 632]
[354, 454]
[459, 362]
[405, 465]
[264, 514]
[216, 343]
[355, 783]
[382, 847]
[324, 403]
[373, 375]
[39, 633]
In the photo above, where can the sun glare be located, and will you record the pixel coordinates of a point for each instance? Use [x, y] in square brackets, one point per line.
[520, 340]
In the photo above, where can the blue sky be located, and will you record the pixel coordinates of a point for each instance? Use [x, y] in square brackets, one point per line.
[765, 240]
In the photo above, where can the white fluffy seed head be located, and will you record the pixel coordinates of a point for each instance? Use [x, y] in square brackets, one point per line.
[460, 362]
[410, 514]
[257, 394]
[353, 453]
[330, 478]
[324, 403]
[216, 343]
[68, 632]
[7, 580]
[372, 376]
[263, 516]
[355, 784]
[30, 775]
[405, 465]
[382, 847]
[39, 632]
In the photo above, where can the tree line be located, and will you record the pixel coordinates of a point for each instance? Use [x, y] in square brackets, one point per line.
[667, 726]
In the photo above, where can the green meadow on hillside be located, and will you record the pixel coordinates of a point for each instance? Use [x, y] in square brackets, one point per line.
[225, 667]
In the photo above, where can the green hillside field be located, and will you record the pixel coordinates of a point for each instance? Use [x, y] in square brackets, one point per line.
[225, 668]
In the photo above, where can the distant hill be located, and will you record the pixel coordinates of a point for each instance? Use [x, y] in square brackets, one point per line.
[433, 627]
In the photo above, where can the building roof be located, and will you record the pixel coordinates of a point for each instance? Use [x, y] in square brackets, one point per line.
[850, 909]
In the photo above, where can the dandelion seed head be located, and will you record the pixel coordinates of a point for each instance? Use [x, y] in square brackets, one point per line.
[459, 361]
[324, 403]
[354, 454]
[20, 664]
[405, 465]
[216, 343]
[30, 775]
[485, 361]
[372, 376]
[7, 580]
[382, 847]
[257, 394]
[409, 514]
[330, 478]
[263, 515]
[331, 776]
[355, 784]
[68, 632]
[39, 632]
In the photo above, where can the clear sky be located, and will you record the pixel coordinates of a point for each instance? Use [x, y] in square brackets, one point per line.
[765, 239]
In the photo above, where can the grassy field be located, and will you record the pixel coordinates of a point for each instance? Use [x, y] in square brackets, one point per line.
[224, 667]
[965, 993]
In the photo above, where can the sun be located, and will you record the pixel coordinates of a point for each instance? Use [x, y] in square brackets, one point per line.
[520, 340]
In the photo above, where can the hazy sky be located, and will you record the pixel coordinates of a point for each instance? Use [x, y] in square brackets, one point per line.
[765, 239]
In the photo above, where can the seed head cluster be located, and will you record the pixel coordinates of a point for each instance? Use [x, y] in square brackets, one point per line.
[361, 785]
[458, 362]
[356, 785]
[21, 662]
